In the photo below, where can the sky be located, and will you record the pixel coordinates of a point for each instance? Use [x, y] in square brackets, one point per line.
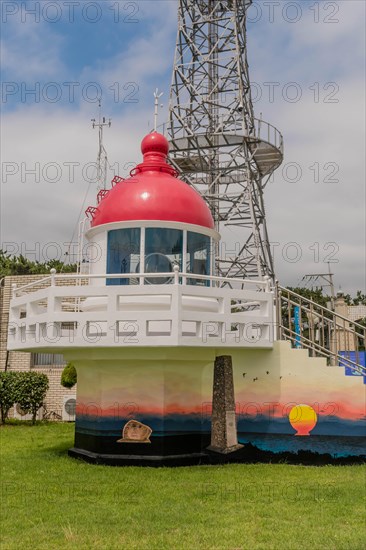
[307, 68]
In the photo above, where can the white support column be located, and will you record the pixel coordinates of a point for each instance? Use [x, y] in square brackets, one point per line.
[142, 254]
[184, 258]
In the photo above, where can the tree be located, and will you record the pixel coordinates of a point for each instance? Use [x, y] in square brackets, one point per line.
[32, 389]
[19, 265]
[359, 300]
[316, 295]
[9, 389]
[69, 376]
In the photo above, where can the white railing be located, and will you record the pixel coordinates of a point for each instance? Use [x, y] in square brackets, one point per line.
[179, 277]
[269, 133]
[231, 123]
[61, 316]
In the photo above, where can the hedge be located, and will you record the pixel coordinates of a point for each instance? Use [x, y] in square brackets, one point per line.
[28, 389]
[69, 376]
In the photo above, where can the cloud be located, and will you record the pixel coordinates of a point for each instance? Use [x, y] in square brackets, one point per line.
[320, 64]
[317, 132]
[30, 50]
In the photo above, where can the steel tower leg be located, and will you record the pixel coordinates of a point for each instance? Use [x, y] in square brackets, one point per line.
[216, 143]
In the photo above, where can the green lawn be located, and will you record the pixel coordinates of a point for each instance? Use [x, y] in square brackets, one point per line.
[50, 501]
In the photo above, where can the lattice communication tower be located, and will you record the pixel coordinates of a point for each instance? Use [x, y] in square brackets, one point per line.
[217, 144]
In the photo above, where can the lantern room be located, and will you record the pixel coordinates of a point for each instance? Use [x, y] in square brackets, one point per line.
[152, 223]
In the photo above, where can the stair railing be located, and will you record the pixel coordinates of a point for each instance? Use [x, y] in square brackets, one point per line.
[320, 330]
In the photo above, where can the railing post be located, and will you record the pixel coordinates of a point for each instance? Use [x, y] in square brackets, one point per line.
[176, 275]
[53, 273]
[333, 335]
[278, 295]
[277, 306]
[267, 279]
[355, 345]
[13, 290]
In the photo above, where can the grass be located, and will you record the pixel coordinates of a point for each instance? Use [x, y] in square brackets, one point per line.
[50, 501]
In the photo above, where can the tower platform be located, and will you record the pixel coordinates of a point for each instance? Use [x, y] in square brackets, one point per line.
[265, 143]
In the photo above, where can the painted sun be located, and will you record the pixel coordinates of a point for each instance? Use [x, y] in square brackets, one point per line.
[303, 419]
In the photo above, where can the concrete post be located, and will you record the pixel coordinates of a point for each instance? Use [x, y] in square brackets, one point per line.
[223, 423]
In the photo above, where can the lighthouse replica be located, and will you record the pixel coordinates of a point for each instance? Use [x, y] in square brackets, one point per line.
[151, 329]
[155, 318]
[177, 364]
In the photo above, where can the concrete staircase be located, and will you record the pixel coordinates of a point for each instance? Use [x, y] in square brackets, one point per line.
[321, 333]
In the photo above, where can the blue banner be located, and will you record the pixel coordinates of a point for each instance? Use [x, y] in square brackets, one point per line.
[297, 326]
[358, 357]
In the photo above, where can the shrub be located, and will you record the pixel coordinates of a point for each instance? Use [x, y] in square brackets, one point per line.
[9, 389]
[69, 376]
[31, 392]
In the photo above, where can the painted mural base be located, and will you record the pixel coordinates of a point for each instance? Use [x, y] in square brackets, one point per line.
[193, 449]
[138, 460]
[251, 456]
[280, 395]
[226, 450]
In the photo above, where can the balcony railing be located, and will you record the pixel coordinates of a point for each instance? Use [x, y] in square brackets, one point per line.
[61, 315]
[230, 124]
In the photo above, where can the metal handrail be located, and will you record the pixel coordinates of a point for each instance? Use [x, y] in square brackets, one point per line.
[228, 123]
[325, 352]
[319, 306]
[333, 329]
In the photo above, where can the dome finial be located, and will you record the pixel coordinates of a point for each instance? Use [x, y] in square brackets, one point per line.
[155, 143]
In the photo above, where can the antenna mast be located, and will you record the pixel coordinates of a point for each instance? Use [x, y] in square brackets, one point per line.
[157, 96]
[102, 159]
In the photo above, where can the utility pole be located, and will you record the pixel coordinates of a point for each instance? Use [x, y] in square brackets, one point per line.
[328, 278]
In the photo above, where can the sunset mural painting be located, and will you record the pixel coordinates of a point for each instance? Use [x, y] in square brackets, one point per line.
[280, 397]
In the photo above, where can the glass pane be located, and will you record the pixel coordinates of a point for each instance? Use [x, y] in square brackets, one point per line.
[198, 257]
[163, 250]
[123, 254]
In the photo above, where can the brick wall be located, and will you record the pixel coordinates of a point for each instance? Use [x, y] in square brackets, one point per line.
[355, 313]
[22, 361]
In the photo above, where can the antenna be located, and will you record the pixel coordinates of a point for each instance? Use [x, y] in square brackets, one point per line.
[157, 96]
[102, 159]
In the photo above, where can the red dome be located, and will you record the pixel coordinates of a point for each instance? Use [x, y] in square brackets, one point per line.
[153, 192]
